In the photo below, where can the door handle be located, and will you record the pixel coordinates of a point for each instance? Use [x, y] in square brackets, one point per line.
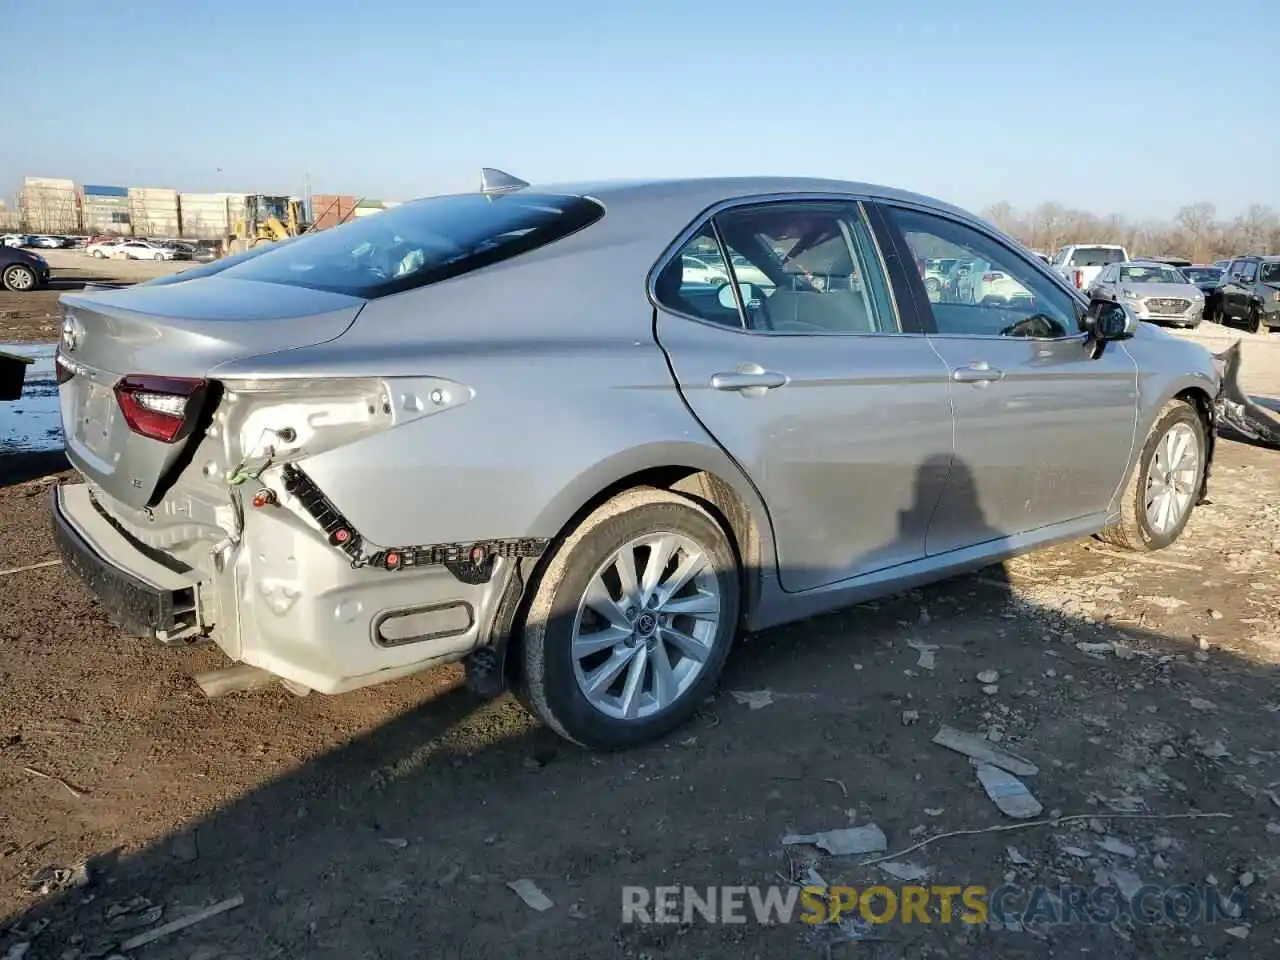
[979, 372]
[750, 380]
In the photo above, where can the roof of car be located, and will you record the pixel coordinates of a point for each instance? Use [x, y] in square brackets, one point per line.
[707, 191]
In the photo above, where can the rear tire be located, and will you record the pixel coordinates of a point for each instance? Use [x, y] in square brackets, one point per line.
[19, 279]
[573, 659]
[1145, 522]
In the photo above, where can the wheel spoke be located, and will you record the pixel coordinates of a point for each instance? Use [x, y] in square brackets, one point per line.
[691, 647]
[665, 687]
[610, 636]
[692, 565]
[599, 600]
[598, 680]
[701, 605]
[625, 564]
[634, 684]
[660, 553]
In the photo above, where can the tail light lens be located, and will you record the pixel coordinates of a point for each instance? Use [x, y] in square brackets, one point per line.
[63, 368]
[161, 408]
[1079, 279]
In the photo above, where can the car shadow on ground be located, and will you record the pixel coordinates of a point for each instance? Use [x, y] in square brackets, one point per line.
[401, 842]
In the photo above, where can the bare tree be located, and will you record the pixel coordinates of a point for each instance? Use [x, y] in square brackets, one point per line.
[1194, 233]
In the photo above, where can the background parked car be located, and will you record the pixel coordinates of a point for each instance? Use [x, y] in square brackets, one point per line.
[1156, 292]
[22, 270]
[1081, 263]
[1249, 294]
[1205, 277]
[147, 250]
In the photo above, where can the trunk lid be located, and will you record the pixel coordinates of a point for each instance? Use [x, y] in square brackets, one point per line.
[126, 353]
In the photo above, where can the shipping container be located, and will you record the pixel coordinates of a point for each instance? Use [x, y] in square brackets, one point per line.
[209, 216]
[50, 205]
[154, 212]
[331, 209]
[105, 210]
[366, 207]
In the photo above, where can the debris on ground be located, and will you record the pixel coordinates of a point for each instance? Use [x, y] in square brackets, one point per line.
[1096, 649]
[1008, 792]
[17, 951]
[988, 676]
[533, 897]
[755, 699]
[906, 872]
[926, 660]
[51, 879]
[1016, 858]
[398, 842]
[979, 748]
[867, 838]
[173, 926]
[1118, 847]
[1126, 881]
[1240, 932]
[146, 917]
[909, 717]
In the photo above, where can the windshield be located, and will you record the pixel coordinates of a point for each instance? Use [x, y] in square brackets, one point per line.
[1270, 273]
[420, 242]
[1202, 274]
[1096, 256]
[1151, 274]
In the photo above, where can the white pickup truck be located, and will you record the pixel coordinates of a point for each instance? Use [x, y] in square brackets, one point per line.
[1081, 263]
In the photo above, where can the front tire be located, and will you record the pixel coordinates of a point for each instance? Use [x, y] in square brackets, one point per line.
[1255, 322]
[1158, 499]
[630, 624]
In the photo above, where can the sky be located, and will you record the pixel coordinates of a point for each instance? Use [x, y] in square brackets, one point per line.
[1133, 107]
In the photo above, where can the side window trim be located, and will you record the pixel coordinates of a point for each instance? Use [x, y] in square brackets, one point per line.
[915, 286]
[900, 269]
[708, 217]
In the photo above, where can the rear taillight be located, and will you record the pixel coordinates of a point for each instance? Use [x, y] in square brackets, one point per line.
[63, 369]
[992, 277]
[1079, 279]
[161, 408]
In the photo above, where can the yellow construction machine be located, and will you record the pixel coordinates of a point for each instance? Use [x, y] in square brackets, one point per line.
[266, 220]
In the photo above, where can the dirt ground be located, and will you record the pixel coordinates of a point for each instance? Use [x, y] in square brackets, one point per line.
[388, 822]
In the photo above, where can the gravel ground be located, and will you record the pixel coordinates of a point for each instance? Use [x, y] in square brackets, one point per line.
[387, 822]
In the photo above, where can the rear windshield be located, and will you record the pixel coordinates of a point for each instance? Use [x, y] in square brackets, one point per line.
[1096, 256]
[420, 242]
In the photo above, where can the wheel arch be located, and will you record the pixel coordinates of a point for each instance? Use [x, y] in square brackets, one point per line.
[706, 476]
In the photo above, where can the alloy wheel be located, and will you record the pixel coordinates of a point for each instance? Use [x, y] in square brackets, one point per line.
[645, 626]
[1172, 478]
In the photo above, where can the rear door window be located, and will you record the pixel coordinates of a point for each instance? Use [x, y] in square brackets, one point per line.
[421, 242]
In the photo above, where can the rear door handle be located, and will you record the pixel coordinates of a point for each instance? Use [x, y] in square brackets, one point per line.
[750, 380]
[979, 372]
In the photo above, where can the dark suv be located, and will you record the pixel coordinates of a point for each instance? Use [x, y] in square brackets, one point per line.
[1249, 293]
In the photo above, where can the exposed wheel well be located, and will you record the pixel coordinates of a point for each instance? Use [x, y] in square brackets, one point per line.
[1203, 404]
[712, 493]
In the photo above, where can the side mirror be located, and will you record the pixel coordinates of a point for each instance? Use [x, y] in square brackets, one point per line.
[1111, 321]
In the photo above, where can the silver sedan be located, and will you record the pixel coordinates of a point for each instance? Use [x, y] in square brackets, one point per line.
[511, 427]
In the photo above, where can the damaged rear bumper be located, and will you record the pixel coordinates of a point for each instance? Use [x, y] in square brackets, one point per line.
[284, 597]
